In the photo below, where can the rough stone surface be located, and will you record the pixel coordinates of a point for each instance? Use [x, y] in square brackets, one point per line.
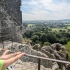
[56, 46]
[37, 47]
[28, 50]
[28, 63]
[61, 50]
[19, 65]
[8, 27]
[56, 51]
[12, 7]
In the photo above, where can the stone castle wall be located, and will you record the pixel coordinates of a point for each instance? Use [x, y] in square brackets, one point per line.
[12, 7]
[11, 19]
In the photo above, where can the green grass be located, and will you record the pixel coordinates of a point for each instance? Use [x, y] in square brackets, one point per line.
[30, 25]
[68, 27]
[57, 29]
[68, 48]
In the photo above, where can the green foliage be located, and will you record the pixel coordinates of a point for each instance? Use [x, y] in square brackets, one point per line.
[34, 38]
[63, 40]
[68, 30]
[47, 43]
[43, 34]
[60, 30]
[68, 48]
[43, 38]
[37, 33]
[59, 35]
[28, 34]
[38, 42]
[51, 37]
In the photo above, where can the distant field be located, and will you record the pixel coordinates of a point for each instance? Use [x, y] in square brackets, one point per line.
[68, 27]
[67, 24]
[30, 25]
[68, 48]
[57, 29]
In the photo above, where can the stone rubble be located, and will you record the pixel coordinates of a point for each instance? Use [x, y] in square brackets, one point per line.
[19, 65]
[28, 63]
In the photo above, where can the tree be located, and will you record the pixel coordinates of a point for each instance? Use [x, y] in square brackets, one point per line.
[63, 40]
[38, 42]
[59, 35]
[37, 33]
[68, 30]
[34, 38]
[51, 37]
[47, 43]
[28, 34]
[60, 30]
[43, 38]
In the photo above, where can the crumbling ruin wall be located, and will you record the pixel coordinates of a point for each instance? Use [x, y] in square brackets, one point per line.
[12, 7]
[11, 19]
[28, 50]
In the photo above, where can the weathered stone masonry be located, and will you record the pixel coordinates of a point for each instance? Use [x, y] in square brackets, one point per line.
[11, 19]
[12, 7]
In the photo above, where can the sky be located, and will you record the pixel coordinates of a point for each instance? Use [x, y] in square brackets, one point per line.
[45, 9]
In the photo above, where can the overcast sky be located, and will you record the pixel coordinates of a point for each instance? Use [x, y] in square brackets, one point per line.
[45, 9]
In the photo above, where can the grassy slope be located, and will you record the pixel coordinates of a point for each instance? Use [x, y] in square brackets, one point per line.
[68, 48]
[30, 25]
[68, 27]
[57, 29]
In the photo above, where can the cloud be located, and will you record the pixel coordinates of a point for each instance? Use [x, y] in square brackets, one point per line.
[36, 15]
[30, 2]
[45, 9]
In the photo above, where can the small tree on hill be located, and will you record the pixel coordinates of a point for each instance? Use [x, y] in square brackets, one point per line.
[47, 43]
[34, 38]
